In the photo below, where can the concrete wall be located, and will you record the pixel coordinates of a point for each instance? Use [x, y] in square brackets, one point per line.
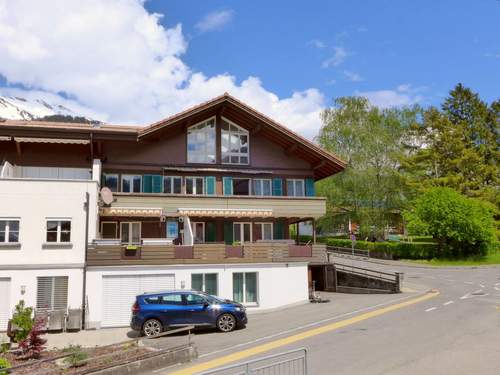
[278, 284]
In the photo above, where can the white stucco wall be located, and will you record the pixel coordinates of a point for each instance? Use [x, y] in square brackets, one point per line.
[278, 284]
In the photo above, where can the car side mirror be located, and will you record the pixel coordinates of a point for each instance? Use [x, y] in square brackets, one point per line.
[206, 304]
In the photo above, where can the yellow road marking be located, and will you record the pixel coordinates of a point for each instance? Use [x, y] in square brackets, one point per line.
[233, 357]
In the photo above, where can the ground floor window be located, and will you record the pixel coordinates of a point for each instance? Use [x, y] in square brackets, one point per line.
[52, 292]
[205, 282]
[245, 287]
[130, 232]
[242, 232]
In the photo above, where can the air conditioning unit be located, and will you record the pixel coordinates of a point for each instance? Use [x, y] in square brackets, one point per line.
[181, 219]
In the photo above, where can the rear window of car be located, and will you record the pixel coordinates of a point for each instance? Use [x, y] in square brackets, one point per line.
[172, 299]
[153, 300]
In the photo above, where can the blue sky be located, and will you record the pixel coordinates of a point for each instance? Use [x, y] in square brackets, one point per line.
[430, 45]
[138, 61]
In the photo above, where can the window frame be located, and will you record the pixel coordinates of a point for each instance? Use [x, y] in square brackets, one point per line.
[203, 281]
[116, 228]
[8, 231]
[130, 225]
[166, 229]
[261, 224]
[194, 178]
[58, 230]
[172, 178]
[53, 290]
[257, 291]
[193, 230]
[249, 186]
[242, 231]
[118, 184]
[260, 181]
[239, 154]
[123, 176]
[213, 118]
[294, 181]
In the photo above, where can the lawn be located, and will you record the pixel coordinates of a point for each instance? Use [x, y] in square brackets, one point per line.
[493, 257]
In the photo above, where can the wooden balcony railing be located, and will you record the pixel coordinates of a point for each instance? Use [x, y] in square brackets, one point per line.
[112, 255]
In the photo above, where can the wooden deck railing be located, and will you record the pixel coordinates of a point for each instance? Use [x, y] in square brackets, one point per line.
[112, 255]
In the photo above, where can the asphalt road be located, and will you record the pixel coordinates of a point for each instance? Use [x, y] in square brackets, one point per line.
[455, 332]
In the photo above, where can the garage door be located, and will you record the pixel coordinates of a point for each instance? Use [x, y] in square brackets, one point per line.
[119, 293]
[4, 303]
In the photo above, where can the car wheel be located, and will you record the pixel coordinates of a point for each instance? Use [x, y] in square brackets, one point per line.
[152, 327]
[226, 323]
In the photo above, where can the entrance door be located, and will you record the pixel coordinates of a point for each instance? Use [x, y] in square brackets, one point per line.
[198, 232]
[242, 232]
[4, 303]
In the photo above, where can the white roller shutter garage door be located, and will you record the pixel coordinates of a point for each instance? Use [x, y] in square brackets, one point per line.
[4, 303]
[119, 293]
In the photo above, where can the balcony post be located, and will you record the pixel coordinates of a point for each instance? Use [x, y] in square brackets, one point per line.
[314, 231]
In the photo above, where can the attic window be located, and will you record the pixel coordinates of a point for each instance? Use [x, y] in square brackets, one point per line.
[234, 144]
[201, 142]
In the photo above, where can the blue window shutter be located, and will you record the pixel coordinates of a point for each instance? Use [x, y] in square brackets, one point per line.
[228, 185]
[277, 187]
[210, 185]
[157, 184]
[279, 230]
[310, 187]
[147, 183]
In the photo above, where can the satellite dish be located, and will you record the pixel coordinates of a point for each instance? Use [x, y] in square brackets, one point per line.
[106, 195]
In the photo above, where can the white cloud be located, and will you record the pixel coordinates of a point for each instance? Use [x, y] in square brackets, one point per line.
[317, 43]
[338, 57]
[215, 20]
[403, 95]
[114, 59]
[352, 76]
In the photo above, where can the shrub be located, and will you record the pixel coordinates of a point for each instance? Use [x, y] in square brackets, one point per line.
[462, 226]
[23, 321]
[4, 364]
[33, 345]
[77, 356]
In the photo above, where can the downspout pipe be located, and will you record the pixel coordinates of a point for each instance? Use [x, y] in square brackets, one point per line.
[84, 288]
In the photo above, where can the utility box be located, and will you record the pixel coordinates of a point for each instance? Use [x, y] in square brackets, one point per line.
[74, 319]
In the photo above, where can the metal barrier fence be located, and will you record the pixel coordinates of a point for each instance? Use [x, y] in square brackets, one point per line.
[293, 362]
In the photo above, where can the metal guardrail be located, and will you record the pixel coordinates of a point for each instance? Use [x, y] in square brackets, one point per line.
[293, 362]
[386, 276]
[348, 251]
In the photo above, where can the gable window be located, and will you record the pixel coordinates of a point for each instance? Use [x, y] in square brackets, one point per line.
[130, 232]
[194, 185]
[234, 144]
[110, 181]
[9, 231]
[58, 231]
[295, 187]
[201, 142]
[263, 231]
[205, 282]
[172, 184]
[52, 293]
[245, 287]
[109, 229]
[131, 183]
[262, 187]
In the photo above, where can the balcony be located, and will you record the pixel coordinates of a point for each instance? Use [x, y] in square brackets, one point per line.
[214, 253]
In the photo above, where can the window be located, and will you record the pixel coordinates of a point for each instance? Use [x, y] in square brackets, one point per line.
[241, 186]
[52, 293]
[205, 282]
[198, 232]
[242, 232]
[172, 229]
[109, 229]
[172, 184]
[194, 185]
[58, 231]
[245, 287]
[295, 188]
[172, 299]
[130, 233]
[131, 184]
[201, 142]
[262, 187]
[9, 231]
[195, 299]
[234, 144]
[110, 181]
[263, 231]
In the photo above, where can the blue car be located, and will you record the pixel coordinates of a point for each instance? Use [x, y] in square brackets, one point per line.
[152, 313]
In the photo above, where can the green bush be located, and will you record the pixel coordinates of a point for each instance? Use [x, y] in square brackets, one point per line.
[77, 357]
[23, 321]
[4, 364]
[462, 226]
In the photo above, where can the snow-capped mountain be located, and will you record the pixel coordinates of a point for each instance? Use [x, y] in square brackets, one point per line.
[19, 108]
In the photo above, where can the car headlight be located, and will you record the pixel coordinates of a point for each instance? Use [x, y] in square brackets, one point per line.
[238, 308]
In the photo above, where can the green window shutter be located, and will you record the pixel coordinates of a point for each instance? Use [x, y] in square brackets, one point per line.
[157, 184]
[228, 232]
[210, 231]
[277, 187]
[210, 185]
[228, 185]
[279, 230]
[147, 183]
[310, 187]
